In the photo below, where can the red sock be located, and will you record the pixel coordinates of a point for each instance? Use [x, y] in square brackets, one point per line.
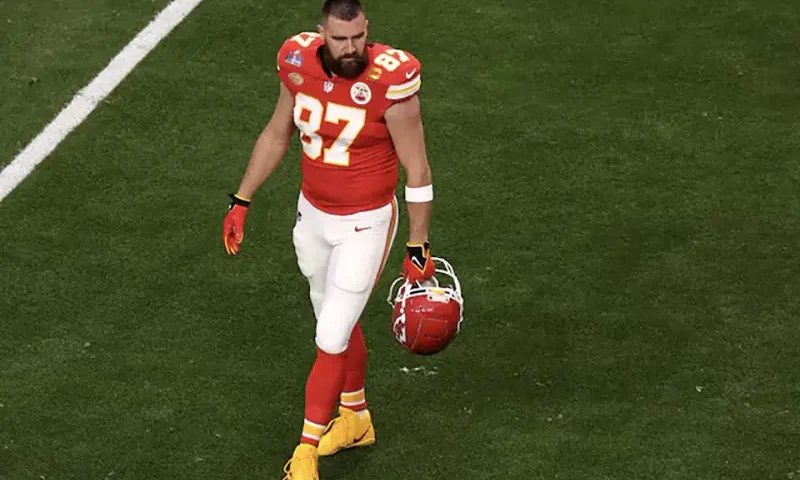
[353, 394]
[323, 386]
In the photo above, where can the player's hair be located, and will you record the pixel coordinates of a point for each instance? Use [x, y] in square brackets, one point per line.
[342, 9]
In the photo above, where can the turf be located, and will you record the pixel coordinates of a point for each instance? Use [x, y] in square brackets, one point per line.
[616, 187]
[50, 50]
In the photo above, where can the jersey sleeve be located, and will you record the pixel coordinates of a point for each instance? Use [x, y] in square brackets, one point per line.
[405, 81]
[287, 62]
[290, 57]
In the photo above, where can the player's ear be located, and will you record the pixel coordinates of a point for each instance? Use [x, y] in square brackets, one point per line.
[320, 30]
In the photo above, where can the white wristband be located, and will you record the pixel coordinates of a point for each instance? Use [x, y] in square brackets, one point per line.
[419, 194]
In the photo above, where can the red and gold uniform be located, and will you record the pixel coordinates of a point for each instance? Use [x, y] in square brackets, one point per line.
[349, 163]
[347, 212]
[347, 217]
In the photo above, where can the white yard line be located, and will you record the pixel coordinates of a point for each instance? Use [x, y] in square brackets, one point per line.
[87, 99]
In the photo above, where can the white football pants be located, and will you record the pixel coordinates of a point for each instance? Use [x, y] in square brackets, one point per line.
[342, 257]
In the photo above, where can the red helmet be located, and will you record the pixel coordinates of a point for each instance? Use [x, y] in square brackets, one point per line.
[427, 316]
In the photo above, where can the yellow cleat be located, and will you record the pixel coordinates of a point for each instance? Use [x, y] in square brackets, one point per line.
[303, 465]
[350, 429]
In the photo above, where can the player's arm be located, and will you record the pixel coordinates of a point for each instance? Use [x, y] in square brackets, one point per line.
[268, 152]
[404, 121]
[271, 146]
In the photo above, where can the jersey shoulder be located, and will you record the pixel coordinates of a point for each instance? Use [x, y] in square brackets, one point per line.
[399, 71]
[298, 49]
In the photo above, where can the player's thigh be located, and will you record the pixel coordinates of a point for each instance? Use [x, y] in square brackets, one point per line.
[313, 252]
[354, 266]
[361, 254]
[340, 310]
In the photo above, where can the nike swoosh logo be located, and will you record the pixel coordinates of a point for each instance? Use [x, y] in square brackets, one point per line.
[361, 229]
[411, 73]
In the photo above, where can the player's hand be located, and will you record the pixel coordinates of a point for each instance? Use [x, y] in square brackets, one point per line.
[418, 264]
[233, 225]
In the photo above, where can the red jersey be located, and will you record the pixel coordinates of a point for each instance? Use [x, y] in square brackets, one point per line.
[349, 162]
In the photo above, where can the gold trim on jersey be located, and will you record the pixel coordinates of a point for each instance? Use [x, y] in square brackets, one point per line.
[397, 92]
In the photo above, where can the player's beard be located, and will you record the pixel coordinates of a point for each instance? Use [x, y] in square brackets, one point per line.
[348, 66]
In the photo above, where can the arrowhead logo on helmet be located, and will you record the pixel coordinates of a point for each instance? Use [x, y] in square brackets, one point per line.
[427, 316]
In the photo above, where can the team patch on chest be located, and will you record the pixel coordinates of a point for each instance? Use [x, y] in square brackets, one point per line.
[360, 93]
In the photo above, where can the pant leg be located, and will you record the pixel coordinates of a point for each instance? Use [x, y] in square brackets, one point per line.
[312, 250]
[362, 242]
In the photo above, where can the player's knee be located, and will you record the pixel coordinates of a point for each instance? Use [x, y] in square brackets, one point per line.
[332, 338]
[331, 345]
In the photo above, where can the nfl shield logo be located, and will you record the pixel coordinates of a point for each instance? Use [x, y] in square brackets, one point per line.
[328, 87]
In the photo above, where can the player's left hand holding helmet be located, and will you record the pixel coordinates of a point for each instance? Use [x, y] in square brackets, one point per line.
[418, 264]
[233, 225]
[427, 315]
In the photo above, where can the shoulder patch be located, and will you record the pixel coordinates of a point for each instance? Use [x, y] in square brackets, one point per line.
[294, 58]
[292, 50]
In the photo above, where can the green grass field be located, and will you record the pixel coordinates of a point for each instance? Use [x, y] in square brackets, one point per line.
[617, 187]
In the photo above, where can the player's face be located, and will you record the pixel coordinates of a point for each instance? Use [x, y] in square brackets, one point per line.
[345, 45]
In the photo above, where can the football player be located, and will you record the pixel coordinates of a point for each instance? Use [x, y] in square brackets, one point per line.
[355, 106]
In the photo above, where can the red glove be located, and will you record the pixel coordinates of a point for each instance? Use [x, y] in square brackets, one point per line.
[233, 225]
[418, 264]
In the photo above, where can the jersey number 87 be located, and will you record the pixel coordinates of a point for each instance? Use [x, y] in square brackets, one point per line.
[354, 120]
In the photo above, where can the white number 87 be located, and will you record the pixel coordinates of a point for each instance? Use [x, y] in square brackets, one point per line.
[354, 120]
